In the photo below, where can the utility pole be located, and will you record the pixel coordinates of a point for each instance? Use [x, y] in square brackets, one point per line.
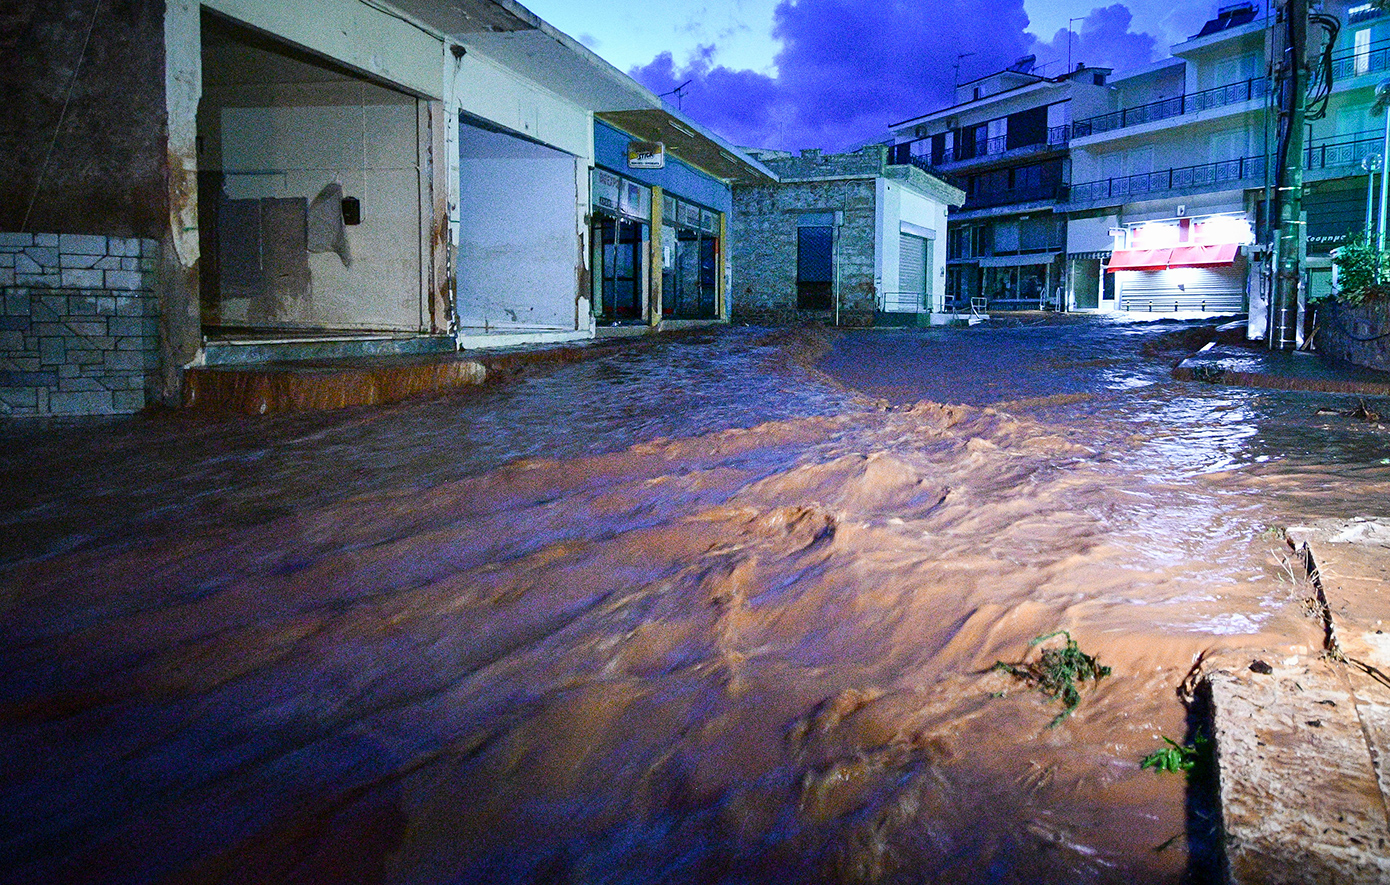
[1292, 72]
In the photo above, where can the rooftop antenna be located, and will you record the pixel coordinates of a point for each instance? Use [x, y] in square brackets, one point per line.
[959, 56]
[678, 92]
[1079, 18]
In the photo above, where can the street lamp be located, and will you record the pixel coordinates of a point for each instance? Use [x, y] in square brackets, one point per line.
[1371, 164]
[1382, 106]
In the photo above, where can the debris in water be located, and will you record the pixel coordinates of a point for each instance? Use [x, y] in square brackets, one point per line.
[1179, 757]
[1363, 412]
[1057, 671]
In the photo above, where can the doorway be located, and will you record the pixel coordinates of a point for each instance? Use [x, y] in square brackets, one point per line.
[619, 269]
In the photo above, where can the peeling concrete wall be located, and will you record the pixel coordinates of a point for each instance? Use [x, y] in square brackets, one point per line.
[83, 134]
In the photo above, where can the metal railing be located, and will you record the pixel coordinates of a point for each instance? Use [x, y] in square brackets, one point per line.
[1207, 174]
[997, 146]
[905, 302]
[1346, 151]
[1189, 103]
[1374, 60]
[987, 199]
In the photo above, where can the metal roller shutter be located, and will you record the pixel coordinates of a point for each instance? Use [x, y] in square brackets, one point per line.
[912, 273]
[1204, 289]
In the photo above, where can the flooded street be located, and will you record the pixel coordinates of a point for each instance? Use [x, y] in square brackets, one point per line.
[721, 608]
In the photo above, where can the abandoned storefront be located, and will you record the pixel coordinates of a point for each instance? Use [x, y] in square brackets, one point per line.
[312, 185]
[661, 197]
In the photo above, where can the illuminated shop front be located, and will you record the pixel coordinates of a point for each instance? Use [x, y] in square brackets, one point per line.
[1181, 265]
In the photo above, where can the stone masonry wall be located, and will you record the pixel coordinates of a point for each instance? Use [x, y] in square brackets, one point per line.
[79, 332]
[763, 234]
[1359, 335]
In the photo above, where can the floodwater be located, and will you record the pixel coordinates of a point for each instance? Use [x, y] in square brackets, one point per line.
[718, 609]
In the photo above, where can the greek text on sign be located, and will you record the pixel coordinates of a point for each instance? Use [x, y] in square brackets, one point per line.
[646, 155]
[605, 188]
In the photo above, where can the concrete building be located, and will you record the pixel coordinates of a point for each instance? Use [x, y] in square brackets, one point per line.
[842, 238]
[1169, 182]
[1004, 142]
[277, 181]
[1341, 198]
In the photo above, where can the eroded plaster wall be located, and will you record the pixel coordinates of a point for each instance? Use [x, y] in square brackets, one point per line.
[286, 140]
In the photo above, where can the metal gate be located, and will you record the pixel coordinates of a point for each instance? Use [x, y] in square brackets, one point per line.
[1197, 289]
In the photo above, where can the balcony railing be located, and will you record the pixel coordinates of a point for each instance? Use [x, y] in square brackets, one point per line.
[1374, 60]
[1190, 103]
[1347, 151]
[1053, 191]
[1057, 136]
[1205, 175]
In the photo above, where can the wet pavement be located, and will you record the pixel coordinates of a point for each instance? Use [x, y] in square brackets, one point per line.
[720, 609]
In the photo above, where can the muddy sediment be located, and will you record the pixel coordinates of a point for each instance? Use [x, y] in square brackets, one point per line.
[741, 631]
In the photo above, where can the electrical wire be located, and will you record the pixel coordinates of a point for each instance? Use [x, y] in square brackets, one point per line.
[1320, 82]
[62, 116]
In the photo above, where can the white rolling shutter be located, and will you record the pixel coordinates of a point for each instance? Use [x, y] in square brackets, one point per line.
[912, 273]
[1205, 289]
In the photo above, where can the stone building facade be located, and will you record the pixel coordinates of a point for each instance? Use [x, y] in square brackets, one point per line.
[79, 327]
[1357, 334]
[855, 206]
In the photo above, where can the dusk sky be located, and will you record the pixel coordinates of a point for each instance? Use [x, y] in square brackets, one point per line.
[833, 74]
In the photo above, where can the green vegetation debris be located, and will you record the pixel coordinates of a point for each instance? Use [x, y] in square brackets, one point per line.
[1057, 672]
[1191, 758]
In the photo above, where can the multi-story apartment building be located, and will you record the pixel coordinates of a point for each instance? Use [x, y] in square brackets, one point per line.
[1345, 143]
[1168, 183]
[1148, 192]
[1004, 142]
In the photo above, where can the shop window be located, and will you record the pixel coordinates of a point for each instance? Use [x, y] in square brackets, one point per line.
[619, 268]
[690, 262]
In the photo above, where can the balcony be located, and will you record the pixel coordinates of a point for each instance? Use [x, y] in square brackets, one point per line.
[1207, 175]
[1374, 59]
[1189, 103]
[979, 151]
[1050, 192]
[1347, 150]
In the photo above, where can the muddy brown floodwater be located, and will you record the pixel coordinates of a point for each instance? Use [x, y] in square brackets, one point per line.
[718, 609]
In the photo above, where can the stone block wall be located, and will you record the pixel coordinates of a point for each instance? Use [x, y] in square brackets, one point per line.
[763, 237]
[79, 328]
[1359, 335]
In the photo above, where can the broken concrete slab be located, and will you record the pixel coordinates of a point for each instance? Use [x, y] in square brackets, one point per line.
[1302, 743]
[1300, 800]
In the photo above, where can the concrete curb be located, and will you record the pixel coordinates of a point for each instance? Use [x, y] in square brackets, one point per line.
[1303, 742]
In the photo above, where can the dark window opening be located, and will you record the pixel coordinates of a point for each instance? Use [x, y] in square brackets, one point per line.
[620, 269]
[814, 267]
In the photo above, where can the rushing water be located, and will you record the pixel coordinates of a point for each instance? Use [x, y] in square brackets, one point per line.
[722, 608]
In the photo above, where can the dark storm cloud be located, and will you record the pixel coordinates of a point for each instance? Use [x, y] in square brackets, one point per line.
[849, 68]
